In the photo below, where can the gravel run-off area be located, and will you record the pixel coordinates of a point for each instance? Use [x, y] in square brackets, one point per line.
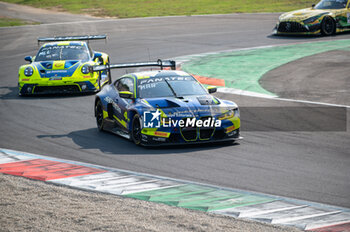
[29, 205]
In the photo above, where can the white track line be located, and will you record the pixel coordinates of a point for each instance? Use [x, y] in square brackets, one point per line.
[256, 213]
[9, 158]
[285, 220]
[244, 93]
[266, 96]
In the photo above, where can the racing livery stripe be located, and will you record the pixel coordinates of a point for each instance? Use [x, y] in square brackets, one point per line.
[236, 203]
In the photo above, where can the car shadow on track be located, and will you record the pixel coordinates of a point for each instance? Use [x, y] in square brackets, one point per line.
[303, 37]
[113, 144]
[11, 93]
[293, 37]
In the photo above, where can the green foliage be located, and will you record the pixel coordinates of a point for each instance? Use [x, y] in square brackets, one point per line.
[147, 8]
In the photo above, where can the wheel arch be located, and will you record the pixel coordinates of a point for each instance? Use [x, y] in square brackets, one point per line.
[131, 114]
[332, 17]
[97, 99]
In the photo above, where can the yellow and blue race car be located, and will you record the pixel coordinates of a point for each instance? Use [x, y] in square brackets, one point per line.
[162, 107]
[327, 18]
[62, 66]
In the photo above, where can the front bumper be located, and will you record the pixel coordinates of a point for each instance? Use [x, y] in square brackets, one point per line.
[296, 28]
[219, 135]
[60, 88]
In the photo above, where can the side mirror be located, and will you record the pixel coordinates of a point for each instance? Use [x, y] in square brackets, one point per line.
[28, 58]
[97, 55]
[211, 89]
[126, 94]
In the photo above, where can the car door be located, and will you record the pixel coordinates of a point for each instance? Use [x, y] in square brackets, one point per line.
[347, 14]
[343, 16]
[123, 84]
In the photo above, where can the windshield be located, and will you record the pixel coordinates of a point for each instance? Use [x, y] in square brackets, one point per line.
[63, 52]
[331, 4]
[173, 87]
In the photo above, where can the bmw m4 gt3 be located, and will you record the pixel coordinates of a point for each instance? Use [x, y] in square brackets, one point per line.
[164, 107]
[62, 66]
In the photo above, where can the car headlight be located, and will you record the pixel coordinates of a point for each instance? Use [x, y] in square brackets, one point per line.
[85, 69]
[236, 112]
[229, 114]
[28, 71]
[312, 19]
[281, 17]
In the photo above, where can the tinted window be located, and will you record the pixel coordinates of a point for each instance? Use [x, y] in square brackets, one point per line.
[125, 84]
[159, 89]
[62, 52]
[331, 4]
[169, 87]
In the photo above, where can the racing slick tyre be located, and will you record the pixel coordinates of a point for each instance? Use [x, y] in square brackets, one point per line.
[136, 130]
[99, 115]
[328, 26]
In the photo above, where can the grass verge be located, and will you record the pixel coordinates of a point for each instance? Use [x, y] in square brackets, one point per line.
[9, 22]
[147, 8]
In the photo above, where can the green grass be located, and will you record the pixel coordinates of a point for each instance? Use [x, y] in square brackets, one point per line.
[147, 8]
[9, 22]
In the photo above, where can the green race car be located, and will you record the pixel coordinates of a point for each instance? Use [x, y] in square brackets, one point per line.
[62, 65]
[327, 18]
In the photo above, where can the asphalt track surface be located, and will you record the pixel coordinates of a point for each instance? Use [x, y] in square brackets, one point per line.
[305, 165]
[329, 69]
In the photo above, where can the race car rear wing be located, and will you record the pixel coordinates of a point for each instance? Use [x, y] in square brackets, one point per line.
[159, 63]
[71, 38]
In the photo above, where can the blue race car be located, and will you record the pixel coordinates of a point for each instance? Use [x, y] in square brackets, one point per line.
[164, 107]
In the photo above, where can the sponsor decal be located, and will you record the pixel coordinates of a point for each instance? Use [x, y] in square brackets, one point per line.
[160, 79]
[229, 129]
[159, 139]
[152, 82]
[57, 65]
[56, 71]
[55, 78]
